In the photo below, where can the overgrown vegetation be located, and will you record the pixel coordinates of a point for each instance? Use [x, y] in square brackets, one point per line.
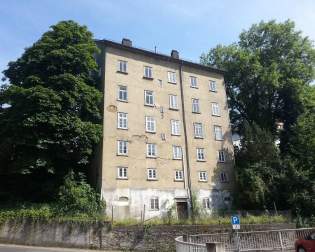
[76, 201]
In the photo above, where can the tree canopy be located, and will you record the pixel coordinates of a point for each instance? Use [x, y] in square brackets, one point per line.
[269, 78]
[50, 118]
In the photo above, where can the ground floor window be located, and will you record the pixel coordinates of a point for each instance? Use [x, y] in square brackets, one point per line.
[154, 203]
[206, 203]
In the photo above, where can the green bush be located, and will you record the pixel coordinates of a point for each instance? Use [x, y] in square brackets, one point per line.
[78, 198]
[35, 211]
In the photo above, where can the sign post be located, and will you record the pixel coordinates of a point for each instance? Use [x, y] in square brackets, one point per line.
[236, 225]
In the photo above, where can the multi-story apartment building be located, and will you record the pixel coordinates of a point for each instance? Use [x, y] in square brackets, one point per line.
[166, 133]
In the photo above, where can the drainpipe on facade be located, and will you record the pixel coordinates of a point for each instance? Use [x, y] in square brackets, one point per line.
[187, 172]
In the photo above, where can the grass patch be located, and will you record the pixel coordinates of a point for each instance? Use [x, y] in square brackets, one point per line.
[211, 220]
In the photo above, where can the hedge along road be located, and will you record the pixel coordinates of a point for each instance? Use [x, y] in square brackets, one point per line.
[18, 248]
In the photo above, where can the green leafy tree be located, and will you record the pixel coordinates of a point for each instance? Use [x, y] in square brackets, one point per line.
[300, 162]
[267, 71]
[257, 168]
[268, 80]
[50, 118]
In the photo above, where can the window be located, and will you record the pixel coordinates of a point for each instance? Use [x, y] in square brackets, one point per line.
[150, 125]
[122, 120]
[148, 98]
[173, 102]
[198, 130]
[151, 174]
[148, 72]
[122, 93]
[122, 66]
[179, 175]
[177, 152]
[151, 150]
[122, 172]
[203, 176]
[200, 154]
[223, 177]
[175, 127]
[193, 81]
[213, 86]
[218, 133]
[215, 109]
[206, 203]
[171, 76]
[221, 155]
[122, 147]
[195, 106]
[154, 203]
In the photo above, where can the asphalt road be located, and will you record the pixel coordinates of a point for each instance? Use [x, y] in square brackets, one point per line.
[17, 248]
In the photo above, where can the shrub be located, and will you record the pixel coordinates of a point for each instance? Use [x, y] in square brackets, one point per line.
[78, 198]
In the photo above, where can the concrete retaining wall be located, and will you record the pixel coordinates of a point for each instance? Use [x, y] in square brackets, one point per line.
[53, 233]
[101, 235]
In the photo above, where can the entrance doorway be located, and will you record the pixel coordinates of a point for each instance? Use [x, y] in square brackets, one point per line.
[182, 210]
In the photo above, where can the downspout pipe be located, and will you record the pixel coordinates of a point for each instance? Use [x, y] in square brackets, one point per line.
[185, 135]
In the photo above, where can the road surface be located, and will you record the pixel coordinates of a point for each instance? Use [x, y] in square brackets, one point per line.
[18, 248]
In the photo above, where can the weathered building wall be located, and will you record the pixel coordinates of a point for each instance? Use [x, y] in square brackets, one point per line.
[128, 197]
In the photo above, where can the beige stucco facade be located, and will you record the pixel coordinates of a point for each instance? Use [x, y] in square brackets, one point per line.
[132, 194]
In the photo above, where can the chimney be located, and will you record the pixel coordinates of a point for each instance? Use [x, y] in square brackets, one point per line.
[126, 42]
[175, 54]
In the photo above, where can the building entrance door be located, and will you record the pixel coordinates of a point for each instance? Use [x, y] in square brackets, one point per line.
[182, 210]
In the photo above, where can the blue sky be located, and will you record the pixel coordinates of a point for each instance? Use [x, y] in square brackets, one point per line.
[191, 27]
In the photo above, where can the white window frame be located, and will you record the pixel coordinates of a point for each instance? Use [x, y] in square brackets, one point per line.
[122, 120]
[123, 93]
[203, 176]
[151, 150]
[215, 109]
[193, 82]
[179, 175]
[173, 101]
[206, 203]
[177, 152]
[195, 105]
[150, 94]
[150, 124]
[154, 204]
[221, 156]
[151, 174]
[218, 133]
[175, 127]
[122, 147]
[212, 86]
[198, 130]
[200, 152]
[224, 177]
[122, 66]
[171, 77]
[122, 172]
[148, 72]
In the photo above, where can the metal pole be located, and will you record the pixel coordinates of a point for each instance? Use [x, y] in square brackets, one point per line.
[281, 243]
[112, 214]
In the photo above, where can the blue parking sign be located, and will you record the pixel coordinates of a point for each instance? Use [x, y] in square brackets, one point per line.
[235, 220]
